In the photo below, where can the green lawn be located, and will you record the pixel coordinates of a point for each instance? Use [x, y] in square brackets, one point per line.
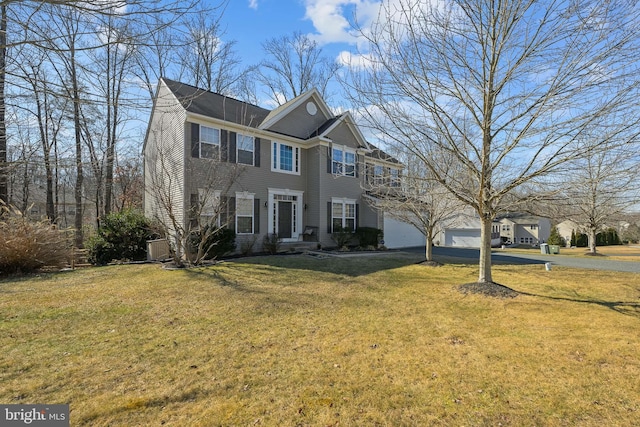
[297, 340]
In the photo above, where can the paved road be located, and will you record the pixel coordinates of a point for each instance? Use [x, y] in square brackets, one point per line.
[594, 263]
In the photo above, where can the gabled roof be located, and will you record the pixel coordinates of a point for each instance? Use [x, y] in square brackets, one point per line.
[282, 111]
[520, 218]
[347, 119]
[214, 105]
[378, 154]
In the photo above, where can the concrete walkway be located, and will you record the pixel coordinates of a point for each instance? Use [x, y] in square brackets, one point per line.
[497, 255]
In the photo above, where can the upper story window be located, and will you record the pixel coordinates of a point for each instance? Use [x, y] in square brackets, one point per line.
[246, 147]
[343, 161]
[378, 175]
[506, 228]
[209, 143]
[286, 158]
[534, 227]
[394, 177]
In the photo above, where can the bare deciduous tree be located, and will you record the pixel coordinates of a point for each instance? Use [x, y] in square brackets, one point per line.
[598, 190]
[504, 89]
[188, 230]
[414, 198]
[295, 65]
[208, 61]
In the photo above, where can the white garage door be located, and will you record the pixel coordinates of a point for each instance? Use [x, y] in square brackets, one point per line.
[398, 234]
[460, 238]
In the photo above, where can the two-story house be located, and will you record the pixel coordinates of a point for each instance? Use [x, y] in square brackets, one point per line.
[297, 171]
[523, 229]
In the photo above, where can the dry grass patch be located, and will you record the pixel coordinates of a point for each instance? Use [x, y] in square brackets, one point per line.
[301, 341]
[616, 252]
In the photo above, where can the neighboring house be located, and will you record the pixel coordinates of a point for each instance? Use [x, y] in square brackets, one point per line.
[566, 229]
[302, 166]
[523, 229]
[463, 231]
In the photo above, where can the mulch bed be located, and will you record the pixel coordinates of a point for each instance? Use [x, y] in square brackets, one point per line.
[490, 289]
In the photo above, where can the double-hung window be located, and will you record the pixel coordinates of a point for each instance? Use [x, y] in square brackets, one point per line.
[209, 143]
[245, 147]
[209, 204]
[286, 158]
[378, 175]
[244, 213]
[343, 161]
[394, 177]
[343, 215]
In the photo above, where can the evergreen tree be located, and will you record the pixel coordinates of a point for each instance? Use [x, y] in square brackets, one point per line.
[554, 237]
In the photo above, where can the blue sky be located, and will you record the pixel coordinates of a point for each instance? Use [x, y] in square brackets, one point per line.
[251, 22]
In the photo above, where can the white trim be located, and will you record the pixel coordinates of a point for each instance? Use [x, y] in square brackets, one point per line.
[243, 195]
[345, 201]
[272, 212]
[253, 149]
[344, 149]
[282, 111]
[296, 155]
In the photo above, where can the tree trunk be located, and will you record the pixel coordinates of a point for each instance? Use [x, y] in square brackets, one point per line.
[592, 240]
[429, 246]
[79, 172]
[485, 251]
[4, 170]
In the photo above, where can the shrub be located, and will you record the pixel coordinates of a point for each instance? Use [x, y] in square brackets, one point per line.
[220, 242]
[271, 244]
[30, 245]
[342, 236]
[582, 240]
[555, 238]
[369, 236]
[122, 235]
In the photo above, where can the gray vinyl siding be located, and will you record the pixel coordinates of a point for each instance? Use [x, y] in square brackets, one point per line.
[342, 135]
[316, 208]
[164, 153]
[299, 123]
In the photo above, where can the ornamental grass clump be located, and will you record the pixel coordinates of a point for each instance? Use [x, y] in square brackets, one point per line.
[29, 245]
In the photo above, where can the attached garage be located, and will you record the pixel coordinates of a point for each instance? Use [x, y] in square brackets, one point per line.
[462, 237]
[398, 234]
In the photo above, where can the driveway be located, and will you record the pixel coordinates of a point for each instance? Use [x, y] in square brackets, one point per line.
[498, 256]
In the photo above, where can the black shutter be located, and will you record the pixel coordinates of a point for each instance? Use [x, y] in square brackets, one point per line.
[357, 224]
[224, 215]
[231, 208]
[232, 147]
[194, 208]
[357, 166]
[224, 146]
[195, 140]
[329, 159]
[329, 219]
[256, 216]
[256, 152]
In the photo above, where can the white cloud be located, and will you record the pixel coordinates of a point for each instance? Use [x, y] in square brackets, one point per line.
[355, 61]
[253, 4]
[334, 19]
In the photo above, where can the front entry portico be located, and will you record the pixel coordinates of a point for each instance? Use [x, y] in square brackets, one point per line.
[285, 214]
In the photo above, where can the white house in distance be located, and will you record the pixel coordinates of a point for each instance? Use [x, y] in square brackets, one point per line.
[463, 231]
[524, 229]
